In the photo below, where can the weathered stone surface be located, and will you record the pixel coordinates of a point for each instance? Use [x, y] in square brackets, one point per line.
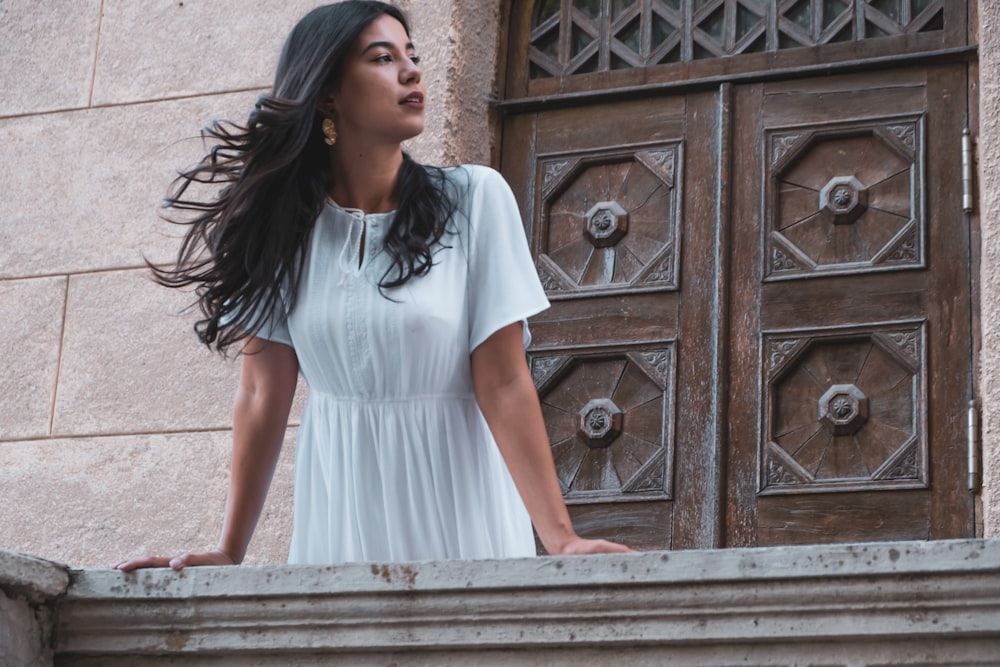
[31, 578]
[989, 202]
[164, 48]
[898, 603]
[47, 55]
[838, 653]
[24, 637]
[28, 585]
[469, 132]
[431, 26]
[31, 315]
[106, 499]
[87, 184]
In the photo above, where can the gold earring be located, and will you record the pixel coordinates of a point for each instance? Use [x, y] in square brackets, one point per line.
[329, 131]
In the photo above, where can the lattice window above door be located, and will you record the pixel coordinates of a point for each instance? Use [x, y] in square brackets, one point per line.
[582, 36]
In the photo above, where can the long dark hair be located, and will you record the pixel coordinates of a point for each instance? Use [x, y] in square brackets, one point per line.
[243, 249]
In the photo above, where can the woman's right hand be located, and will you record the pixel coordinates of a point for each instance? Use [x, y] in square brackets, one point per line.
[179, 562]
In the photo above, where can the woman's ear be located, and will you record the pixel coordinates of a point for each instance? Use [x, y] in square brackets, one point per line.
[327, 103]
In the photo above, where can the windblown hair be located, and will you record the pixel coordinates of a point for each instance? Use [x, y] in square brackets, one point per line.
[243, 250]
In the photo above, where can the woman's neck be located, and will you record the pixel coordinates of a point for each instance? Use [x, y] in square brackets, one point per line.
[365, 177]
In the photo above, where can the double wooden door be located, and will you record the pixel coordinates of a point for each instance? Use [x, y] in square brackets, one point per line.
[761, 326]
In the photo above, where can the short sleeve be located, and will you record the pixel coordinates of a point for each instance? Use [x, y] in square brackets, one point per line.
[503, 286]
[273, 325]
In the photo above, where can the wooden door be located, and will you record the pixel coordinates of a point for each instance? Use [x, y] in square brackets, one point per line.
[761, 322]
[614, 188]
[851, 259]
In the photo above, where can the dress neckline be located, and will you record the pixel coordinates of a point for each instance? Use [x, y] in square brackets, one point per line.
[357, 212]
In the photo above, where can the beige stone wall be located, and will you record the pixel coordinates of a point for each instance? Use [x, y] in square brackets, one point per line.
[989, 206]
[114, 422]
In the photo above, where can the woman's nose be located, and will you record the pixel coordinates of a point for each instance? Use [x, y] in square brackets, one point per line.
[411, 72]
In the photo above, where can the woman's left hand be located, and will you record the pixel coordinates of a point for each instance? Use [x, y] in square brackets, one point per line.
[579, 545]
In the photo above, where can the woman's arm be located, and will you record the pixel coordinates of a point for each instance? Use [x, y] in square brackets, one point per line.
[267, 384]
[508, 399]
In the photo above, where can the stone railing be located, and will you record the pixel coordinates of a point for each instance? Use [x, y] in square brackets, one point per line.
[908, 603]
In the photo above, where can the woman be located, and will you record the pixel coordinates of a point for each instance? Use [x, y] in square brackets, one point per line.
[398, 290]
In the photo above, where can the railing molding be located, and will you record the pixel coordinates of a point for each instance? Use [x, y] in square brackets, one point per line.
[896, 603]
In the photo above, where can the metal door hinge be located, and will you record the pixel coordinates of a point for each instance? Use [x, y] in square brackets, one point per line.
[975, 476]
[968, 162]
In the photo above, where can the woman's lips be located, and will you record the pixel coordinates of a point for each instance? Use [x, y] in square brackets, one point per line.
[413, 100]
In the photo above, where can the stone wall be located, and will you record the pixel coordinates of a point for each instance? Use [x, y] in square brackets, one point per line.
[113, 420]
[988, 146]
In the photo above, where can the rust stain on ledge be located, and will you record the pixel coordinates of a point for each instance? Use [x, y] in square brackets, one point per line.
[177, 640]
[405, 572]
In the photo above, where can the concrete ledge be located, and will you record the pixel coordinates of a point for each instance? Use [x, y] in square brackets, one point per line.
[916, 603]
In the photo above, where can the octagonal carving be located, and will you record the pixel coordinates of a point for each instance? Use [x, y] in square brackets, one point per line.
[843, 409]
[607, 417]
[609, 221]
[845, 199]
[600, 422]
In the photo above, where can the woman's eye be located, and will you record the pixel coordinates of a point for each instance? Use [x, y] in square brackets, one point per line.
[415, 60]
[384, 58]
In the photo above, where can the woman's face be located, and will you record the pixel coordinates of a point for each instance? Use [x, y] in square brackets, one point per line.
[381, 93]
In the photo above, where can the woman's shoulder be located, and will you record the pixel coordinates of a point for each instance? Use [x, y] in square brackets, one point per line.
[485, 205]
[471, 183]
[473, 175]
[477, 171]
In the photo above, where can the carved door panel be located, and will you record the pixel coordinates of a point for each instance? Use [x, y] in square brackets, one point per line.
[613, 195]
[850, 265]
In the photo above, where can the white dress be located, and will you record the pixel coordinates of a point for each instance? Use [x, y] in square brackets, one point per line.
[394, 460]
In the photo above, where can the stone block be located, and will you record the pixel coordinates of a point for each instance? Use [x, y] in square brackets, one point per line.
[106, 499]
[165, 49]
[47, 54]
[132, 364]
[31, 314]
[88, 184]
